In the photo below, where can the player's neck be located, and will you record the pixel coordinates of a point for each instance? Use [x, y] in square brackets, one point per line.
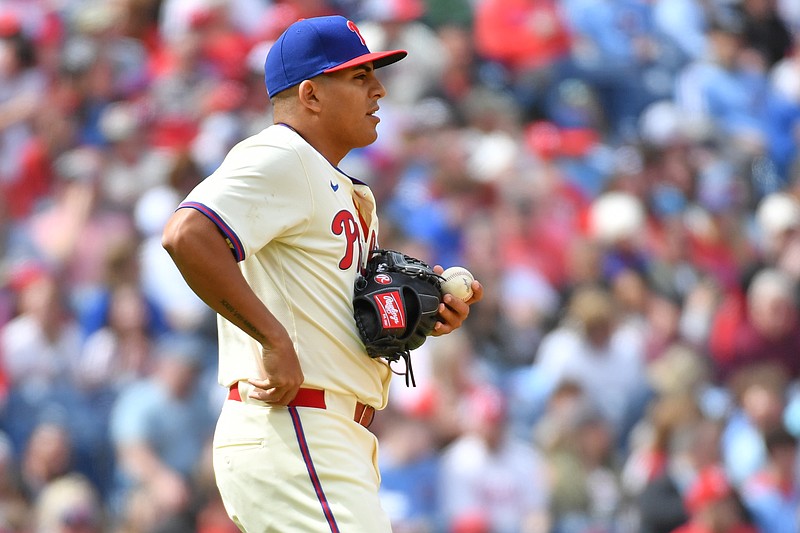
[333, 156]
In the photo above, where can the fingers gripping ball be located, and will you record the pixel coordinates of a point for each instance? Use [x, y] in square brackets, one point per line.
[457, 281]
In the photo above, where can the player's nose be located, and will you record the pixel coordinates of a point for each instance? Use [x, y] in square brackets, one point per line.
[378, 90]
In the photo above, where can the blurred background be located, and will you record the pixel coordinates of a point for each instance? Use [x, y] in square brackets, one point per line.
[621, 175]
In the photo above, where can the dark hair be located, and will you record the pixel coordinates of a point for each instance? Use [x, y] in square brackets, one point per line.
[24, 49]
[777, 438]
[727, 22]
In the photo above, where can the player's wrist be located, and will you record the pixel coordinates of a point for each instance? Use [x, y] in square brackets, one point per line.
[276, 339]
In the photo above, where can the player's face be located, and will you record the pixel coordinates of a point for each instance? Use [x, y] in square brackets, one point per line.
[350, 103]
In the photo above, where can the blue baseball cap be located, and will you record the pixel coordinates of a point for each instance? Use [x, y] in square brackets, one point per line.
[318, 45]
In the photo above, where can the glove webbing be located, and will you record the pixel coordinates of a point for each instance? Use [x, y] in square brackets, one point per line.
[412, 267]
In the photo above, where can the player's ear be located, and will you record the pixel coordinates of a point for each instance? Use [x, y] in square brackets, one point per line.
[308, 93]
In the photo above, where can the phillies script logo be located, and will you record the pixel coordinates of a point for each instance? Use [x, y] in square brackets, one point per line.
[383, 279]
[344, 224]
[352, 27]
[391, 310]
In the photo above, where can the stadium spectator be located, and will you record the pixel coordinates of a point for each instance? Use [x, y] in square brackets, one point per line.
[22, 85]
[528, 39]
[591, 348]
[132, 166]
[731, 88]
[490, 476]
[764, 30]
[119, 353]
[772, 494]
[759, 404]
[69, 504]
[15, 506]
[159, 426]
[40, 344]
[620, 53]
[691, 447]
[578, 445]
[409, 472]
[48, 455]
[713, 505]
[121, 268]
[768, 329]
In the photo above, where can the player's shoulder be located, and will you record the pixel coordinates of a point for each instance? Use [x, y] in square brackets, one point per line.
[273, 137]
[264, 153]
[276, 143]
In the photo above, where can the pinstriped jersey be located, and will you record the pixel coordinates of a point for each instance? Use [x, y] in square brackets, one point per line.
[300, 230]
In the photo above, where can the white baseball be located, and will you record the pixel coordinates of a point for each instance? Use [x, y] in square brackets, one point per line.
[458, 282]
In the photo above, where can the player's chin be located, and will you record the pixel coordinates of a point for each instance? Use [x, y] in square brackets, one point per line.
[369, 136]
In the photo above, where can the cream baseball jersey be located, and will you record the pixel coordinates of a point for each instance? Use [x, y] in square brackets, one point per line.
[300, 230]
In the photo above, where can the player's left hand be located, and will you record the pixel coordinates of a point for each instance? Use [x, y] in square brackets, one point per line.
[281, 376]
[453, 311]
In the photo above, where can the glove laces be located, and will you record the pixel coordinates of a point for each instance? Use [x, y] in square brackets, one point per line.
[409, 373]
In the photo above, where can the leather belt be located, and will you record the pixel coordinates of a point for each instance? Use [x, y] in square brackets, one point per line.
[315, 398]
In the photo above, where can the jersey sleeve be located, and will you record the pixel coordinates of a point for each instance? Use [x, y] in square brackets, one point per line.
[259, 193]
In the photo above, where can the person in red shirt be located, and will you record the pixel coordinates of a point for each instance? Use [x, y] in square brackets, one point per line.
[528, 38]
[759, 327]
[521, 34]
[713, 505]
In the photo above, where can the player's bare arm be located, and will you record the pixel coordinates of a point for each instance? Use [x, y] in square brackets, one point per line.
[204, 259]
[453, 311]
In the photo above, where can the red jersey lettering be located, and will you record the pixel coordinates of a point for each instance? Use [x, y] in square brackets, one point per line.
[345, 224]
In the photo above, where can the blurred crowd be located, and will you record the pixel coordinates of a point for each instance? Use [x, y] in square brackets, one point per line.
[621, 175]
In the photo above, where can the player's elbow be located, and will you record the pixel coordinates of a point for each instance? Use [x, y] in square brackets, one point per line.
[174, 234]
[188, 233]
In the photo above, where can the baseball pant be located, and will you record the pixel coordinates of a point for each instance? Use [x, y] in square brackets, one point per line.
[298, 469]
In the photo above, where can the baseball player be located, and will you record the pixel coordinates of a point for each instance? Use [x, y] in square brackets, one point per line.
[273, 241]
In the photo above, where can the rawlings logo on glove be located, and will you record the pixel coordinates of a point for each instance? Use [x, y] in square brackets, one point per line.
[391, 312]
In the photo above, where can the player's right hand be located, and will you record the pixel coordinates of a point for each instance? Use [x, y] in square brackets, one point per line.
[282, 376]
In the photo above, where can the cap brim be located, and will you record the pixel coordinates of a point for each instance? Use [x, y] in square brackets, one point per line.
[378, 60]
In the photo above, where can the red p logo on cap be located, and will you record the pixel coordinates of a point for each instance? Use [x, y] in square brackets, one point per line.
[354, 29]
